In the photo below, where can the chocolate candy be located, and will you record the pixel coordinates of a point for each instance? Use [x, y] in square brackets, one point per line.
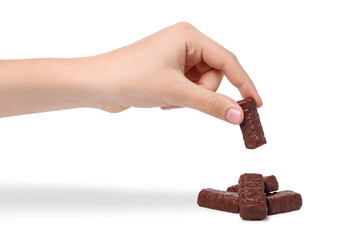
[252, 200]
[283, 201]
[249, 199]
[271, 184]
[219, 200]
[251, 128]
[233, 188]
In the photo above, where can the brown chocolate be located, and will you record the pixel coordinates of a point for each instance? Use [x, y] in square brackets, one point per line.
[252, 131]
[233, 188]
[252, 200]
[271, 184]
[219, 200]
[283, 201]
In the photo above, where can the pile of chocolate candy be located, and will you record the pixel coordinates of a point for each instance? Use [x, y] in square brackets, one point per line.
[253, 197]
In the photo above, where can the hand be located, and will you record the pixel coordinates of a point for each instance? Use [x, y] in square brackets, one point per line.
[177, 66]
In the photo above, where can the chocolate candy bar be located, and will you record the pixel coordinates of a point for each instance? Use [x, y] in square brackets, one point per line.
[283, 201]
[251, 128]
[271, 184]
[219, 200]
[252, 200]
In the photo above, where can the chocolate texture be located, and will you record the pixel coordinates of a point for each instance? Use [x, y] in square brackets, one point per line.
[271, 184]
[233, 188]
[252, 199]
[283, 201]
[252, 131]
[219, 200]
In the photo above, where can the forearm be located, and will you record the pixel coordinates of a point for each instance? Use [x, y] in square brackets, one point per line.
[40, 85]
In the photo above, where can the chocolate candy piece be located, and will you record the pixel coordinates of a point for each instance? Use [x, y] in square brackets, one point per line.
[233, 188]
[271, 184]
[219, 200]
[252, 200]
[251, 128]
[283, 201]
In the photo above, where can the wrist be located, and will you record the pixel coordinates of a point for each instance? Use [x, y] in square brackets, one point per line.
[79, 78]
[96, 79]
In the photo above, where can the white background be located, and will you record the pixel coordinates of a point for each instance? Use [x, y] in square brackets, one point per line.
[87, 174]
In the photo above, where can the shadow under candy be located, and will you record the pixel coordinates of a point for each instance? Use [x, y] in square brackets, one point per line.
[37, 197]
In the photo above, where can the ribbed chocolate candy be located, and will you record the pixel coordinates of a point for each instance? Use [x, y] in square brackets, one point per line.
[283, 201]
[252, 131]
[271, 184]
[252, 199]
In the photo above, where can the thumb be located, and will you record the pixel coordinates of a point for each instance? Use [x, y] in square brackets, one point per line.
[212, 103]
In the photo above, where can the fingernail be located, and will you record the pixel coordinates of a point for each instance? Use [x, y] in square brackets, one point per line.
[170, 107]
[233, 116]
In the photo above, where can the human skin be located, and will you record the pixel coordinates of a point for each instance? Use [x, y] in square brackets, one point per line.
[175, 67]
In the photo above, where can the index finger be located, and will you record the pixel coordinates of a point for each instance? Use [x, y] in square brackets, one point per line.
[220, 58]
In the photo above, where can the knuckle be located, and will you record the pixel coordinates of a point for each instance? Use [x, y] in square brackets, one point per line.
[232, 56]
[185, 25]
[191, 49]
[211, 105]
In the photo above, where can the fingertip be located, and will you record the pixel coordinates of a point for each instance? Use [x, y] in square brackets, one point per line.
[234, 115]
[259, 102]
[255, 96]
